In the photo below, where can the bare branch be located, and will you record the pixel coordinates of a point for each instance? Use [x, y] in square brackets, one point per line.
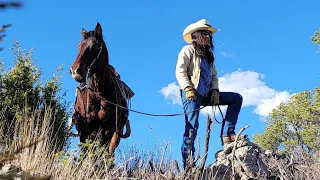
[206, 145]
[234, 148]
[4, 5]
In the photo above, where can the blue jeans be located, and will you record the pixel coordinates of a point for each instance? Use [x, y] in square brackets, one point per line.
[234, 102]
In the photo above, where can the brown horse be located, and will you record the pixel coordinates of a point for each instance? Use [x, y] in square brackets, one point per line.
[99, 93]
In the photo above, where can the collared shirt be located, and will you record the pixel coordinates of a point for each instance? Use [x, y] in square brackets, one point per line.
[188, 69]
[205, 78]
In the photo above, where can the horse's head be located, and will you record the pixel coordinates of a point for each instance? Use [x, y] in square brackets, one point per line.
[92, 54]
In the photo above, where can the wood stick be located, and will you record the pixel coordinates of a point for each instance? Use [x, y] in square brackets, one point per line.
[206, 145]
[234, 149]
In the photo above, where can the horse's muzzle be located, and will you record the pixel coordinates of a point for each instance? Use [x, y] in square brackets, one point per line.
[76, 74]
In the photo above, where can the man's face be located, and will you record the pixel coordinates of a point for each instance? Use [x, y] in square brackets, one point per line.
[206, 36]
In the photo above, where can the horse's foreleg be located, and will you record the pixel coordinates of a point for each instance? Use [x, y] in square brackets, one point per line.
[128, 130]
[113, 143]
[74, 120]
[70, 123]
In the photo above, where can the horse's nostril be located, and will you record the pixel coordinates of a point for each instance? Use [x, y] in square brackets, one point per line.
[78, 71]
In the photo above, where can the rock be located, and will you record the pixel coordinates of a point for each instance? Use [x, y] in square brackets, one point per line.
[248, 158]
[12, 172]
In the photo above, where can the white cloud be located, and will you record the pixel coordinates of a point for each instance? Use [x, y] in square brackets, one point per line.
[268, 104]
[254, 91]
[209, 110]
[249, 84]
[172, 92]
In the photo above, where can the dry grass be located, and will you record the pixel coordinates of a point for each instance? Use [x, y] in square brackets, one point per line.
[294, 166]
[31, 152]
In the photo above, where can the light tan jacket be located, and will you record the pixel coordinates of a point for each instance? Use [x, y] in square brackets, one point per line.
[188, 69]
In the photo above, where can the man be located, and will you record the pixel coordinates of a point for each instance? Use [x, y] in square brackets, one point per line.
[197, 77]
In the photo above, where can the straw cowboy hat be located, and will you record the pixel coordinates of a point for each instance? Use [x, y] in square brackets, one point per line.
[202, 24]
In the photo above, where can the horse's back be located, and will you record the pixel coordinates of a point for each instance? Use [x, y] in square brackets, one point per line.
[126, 92]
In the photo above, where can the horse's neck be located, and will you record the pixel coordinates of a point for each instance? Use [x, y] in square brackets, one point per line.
[103, 76]
[102, 81]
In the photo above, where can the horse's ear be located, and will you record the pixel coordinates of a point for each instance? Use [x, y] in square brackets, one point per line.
[83, 33]
[98, 30]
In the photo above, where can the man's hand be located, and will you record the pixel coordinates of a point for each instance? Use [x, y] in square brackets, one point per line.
[190, 93]
[215, 97]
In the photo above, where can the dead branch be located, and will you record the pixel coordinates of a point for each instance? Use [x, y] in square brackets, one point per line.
[2, 31]
[123, 164]
[234, 149]
[198, 156]
[177, 166]
[151, 166]
[164, 146]
[206, 145]
[163, 153]
[10, 4]
[4, 5]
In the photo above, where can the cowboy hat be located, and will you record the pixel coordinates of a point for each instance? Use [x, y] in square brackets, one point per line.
[202, 24]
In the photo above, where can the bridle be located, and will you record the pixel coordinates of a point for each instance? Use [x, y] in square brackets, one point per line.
[88, 81]
[87, 85]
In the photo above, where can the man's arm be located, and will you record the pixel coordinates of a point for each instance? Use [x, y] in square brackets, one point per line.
[214, 82]
[184, 58]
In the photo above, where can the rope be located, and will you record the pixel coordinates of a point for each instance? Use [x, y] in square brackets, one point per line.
[214, 112]
[117, 100]
[88, 85]
[149, 114]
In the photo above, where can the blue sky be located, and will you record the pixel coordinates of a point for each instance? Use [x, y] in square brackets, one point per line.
[263, 51]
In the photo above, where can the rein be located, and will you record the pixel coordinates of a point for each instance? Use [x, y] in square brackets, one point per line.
[88, 85]
[88, 78]
[149, 114]
[92, 63]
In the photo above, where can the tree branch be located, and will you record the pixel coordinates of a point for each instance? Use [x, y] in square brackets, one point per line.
[234, 149]
[10, 4]
[4, 5]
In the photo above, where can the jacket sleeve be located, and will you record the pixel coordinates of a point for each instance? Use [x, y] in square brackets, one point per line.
[214, 82]
[184, 58]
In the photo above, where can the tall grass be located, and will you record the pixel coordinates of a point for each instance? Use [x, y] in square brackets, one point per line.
[31, 149]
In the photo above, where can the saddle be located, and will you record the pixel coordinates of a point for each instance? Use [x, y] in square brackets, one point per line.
[125, 90]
